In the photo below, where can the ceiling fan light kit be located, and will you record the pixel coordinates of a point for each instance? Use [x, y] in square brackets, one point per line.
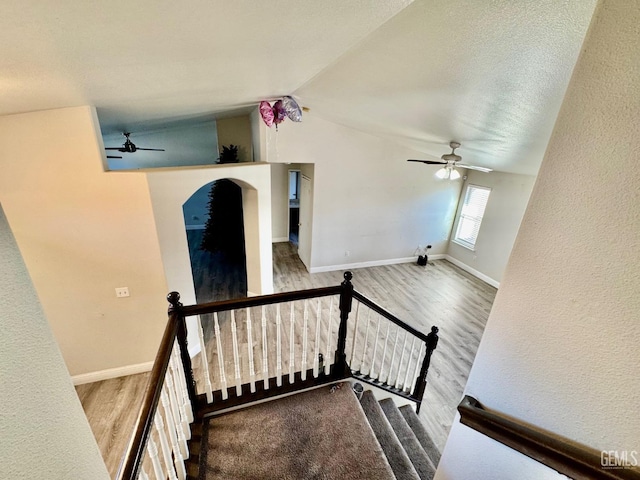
[450, 161]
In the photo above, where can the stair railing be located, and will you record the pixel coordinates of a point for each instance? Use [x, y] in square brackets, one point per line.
[565, 456]
[171, 387]
[259, 347]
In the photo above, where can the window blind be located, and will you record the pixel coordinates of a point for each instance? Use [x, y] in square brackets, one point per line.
[475, 202]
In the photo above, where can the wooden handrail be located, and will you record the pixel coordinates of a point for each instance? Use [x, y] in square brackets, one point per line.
[259, 300]
[567, 457]
[389, 316]
[135, 449]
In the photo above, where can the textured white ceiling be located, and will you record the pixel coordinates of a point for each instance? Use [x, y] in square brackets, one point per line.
[489, 74]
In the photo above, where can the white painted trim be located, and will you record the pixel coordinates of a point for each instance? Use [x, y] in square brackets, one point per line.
[280, 239]
[195, 227]
[473, 271]
[111, 373]
[373, 263]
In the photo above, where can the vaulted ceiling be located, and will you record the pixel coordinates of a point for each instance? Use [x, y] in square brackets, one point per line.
[490, 74]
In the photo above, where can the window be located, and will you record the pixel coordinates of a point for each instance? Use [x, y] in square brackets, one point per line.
[475, 201]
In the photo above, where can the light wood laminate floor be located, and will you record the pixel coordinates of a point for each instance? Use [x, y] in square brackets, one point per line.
[440, 294]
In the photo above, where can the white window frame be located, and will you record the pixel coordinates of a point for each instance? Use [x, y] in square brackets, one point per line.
[466, 217]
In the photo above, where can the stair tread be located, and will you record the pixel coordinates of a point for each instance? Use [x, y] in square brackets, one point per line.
[396, 455]
[421, 433]
[419, 458]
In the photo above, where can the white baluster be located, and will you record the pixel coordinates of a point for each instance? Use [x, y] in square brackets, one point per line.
[143, 475]
[292, 321]
[393, 357]
[176, 406]
[384, 351]
[236, 359]
[181, 382]
[223, 377]
[406, 377]
[316, 346]
[208, 389]
[181, 438]
[415, 372]
[152, 450]
[252, 366]
[355, 338]
[399, 373]
[278, 346]
[327, 355]
[164, 446]
[375, 350]
[178, 452]
[265, 358]
[305, 317]
[366, 344]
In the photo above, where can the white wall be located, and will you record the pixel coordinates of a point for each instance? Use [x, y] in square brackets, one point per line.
[507, 203]
[83, 232]
[368, 200]
[279, 202]
[171, 188]
[560, 350]
[44, 431]
[236, 131]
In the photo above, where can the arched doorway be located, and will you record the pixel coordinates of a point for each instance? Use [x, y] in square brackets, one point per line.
[214, 223]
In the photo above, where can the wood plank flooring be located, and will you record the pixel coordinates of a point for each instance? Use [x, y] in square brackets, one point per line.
[440, 294]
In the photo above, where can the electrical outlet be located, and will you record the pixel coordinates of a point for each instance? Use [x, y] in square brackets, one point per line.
[122, 292]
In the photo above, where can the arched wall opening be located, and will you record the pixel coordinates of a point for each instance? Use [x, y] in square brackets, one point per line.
[169, 190]
[214, 222]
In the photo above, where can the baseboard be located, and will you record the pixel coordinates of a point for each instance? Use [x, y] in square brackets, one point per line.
[280, 239]
[373, 263]
[473, 271]
[111, 373]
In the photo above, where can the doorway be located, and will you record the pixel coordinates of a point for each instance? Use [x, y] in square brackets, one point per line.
[294, 206]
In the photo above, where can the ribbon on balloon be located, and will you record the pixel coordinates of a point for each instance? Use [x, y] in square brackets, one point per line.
[284, 108]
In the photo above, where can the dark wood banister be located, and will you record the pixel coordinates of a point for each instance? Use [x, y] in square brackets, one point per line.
[176, 329]
[135, 449]
[257, 301]
[567, 457]
[389, 316]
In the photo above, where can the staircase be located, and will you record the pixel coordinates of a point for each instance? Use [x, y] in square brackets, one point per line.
[323, 433]
[410, 451]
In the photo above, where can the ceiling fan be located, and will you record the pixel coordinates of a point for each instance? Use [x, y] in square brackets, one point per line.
[129, 147]
[451, 160]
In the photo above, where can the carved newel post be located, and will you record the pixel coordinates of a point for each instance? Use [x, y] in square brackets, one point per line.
[341, 369]
[175, 312]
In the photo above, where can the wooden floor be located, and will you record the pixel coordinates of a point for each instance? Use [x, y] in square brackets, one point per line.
[440, 294]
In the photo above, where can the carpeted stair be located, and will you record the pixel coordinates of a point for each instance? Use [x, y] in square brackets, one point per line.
[405, 452]
[322, 434]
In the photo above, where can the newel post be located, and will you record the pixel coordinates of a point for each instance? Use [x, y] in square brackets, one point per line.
[340, 367]
[421, 381]
[175, 312]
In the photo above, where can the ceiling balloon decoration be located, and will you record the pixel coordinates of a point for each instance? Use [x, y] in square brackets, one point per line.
[293, 110]
[282, 109]
[266, 112]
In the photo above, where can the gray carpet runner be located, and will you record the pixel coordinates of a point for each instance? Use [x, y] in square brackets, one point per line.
[322, 434]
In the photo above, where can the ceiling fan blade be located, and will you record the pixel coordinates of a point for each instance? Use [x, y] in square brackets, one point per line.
[112, 156]
[428, 162]
[473, 167]
[113, 148]
[151, 149]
